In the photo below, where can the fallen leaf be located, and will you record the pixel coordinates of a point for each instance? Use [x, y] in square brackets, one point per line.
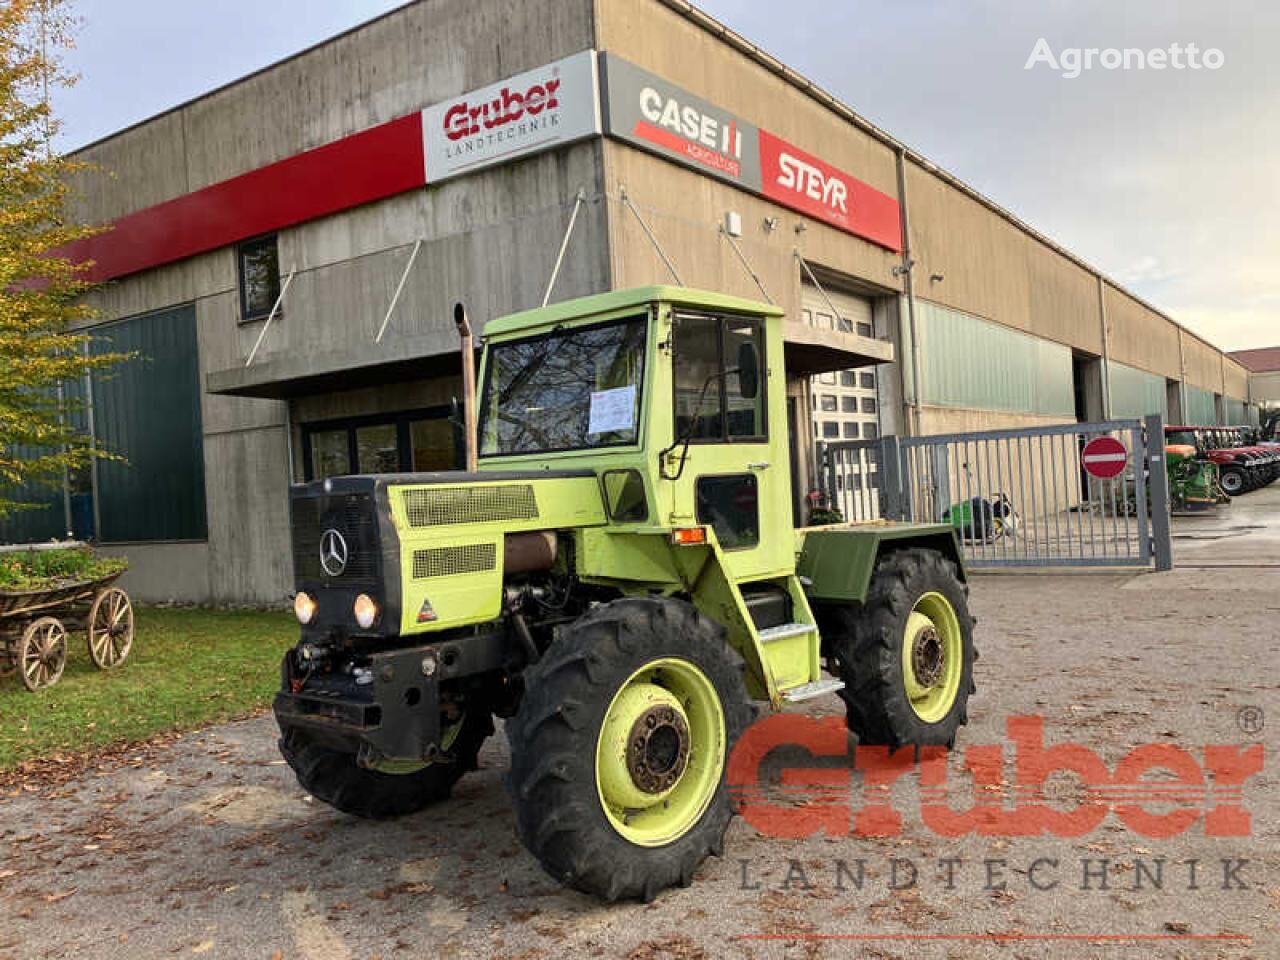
[1175, 927]
[204, 946]
[56, 897]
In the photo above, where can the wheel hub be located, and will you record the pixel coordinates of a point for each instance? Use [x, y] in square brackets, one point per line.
[658, 748]
[928, 657]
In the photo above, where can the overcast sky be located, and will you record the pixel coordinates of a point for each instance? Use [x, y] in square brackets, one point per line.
[1166, 180]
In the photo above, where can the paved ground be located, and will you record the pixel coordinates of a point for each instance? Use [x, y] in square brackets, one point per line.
[207, 847]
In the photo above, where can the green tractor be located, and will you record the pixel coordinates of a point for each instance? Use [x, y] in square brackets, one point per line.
[618, 576]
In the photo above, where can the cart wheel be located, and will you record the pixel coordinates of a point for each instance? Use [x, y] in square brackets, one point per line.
[110, 628]
[42, 652]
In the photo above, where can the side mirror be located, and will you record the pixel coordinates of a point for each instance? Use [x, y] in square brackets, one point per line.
[748, 370]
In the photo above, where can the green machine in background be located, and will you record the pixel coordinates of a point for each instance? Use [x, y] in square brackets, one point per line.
[1193, 479]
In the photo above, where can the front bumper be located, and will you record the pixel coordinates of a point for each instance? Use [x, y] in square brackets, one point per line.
[395, 714]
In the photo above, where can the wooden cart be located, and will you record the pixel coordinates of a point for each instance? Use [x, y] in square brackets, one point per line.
[34, 625]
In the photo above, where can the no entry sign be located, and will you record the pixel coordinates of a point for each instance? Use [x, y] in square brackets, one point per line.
[1104, 457]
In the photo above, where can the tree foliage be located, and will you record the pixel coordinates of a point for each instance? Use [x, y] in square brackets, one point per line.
[41, 292]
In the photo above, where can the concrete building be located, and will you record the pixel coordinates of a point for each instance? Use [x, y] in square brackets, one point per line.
[1264, 374]
[287, 251]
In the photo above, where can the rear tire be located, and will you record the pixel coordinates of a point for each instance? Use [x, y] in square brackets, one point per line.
[334, 777]
[599, 811]
[915, 618]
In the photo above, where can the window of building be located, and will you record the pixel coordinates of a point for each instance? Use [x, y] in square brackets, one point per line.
[868, 380]
[830, 428]
[827, 402]
[851, 431]
[864, 329]
[259, 277]
[423, 441]
[848, 378]
[845, 325]
[848, 404]
[868, 404]
[870, 431]
[827, 378]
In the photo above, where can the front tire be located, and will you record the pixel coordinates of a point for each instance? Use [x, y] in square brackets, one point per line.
[1232, 480]
[334, 777]
[906, 655]
[619, 749]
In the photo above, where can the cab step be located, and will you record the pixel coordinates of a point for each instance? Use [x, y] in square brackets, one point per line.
[810, 691]
[785, 631]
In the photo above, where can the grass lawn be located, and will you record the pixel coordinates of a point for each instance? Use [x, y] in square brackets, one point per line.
[187, 668]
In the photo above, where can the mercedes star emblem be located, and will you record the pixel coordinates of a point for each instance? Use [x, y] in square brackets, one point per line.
[333, 553]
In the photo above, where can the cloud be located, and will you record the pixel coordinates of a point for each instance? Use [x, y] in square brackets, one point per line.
[1162, 179]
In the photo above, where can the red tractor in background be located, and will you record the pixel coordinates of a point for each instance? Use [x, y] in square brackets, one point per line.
[1241, 468]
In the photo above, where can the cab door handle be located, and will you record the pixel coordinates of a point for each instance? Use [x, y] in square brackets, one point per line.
[759, 465]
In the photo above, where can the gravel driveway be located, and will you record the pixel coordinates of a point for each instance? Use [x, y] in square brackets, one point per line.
[206, 846]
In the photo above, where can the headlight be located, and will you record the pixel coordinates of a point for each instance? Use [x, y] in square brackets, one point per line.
[366, 611]
[304, 607]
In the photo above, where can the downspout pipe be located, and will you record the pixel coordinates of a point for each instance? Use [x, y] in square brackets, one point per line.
[909, 288]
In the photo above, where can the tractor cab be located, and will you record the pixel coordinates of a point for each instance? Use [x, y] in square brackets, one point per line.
[676, 399]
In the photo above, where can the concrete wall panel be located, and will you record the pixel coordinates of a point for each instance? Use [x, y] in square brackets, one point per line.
[1204, 364]
[247, 482]
[1236, 379]
[654, 36]
[415, 56]
[992, 269]
[1140, 338]
[685, 211]
[1265, 388]
[165, 572]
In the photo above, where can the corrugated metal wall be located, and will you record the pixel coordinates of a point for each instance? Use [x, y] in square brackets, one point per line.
[1200, 408]
[976, 364]
[1235, 412]
[1136, 393]
[148, 411]
[46, 519]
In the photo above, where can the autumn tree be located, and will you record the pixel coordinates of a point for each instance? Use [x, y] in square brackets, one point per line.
[41, 292]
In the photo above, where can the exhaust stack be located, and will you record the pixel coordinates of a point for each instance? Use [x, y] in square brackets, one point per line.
[468, 383]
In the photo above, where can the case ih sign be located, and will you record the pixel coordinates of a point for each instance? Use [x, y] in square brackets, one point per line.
[662, 118]
[534, 111]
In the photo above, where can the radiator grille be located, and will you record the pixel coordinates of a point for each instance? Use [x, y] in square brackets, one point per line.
[434, 508]
[353, 516]
[448, 561]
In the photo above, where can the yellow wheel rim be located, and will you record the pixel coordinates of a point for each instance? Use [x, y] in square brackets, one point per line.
[932, 657]
[660, 753]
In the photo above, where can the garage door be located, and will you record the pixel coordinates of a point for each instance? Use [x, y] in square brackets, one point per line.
[845, 402]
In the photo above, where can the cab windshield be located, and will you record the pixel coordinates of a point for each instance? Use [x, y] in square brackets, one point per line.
[567, 390]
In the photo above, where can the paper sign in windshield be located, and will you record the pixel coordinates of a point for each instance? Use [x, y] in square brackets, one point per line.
[612, 410]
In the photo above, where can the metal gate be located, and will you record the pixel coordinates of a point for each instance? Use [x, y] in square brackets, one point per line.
[1018, 498]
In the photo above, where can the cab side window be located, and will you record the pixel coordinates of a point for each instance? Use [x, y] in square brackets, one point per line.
[719, 379]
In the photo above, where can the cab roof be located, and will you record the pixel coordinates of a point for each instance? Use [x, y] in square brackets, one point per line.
[617, 300]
